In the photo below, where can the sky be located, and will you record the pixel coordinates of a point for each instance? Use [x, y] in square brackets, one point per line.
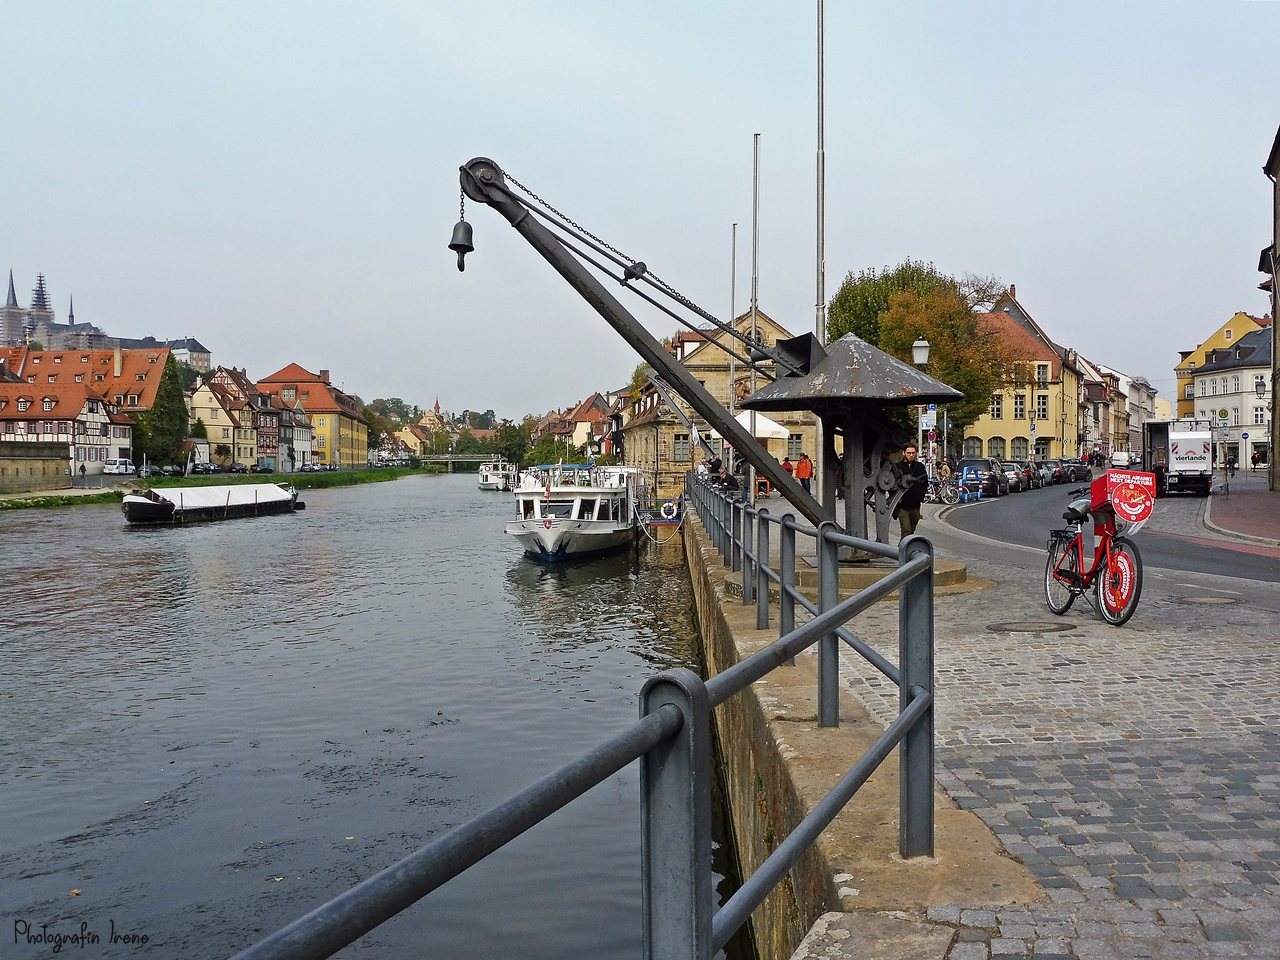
[279, 180]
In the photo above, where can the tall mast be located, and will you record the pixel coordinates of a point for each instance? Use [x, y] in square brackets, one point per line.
[820, 308]
[733, 316]
[755, 288]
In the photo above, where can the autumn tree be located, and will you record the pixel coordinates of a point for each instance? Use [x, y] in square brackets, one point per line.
[863, 298]
[964, 352]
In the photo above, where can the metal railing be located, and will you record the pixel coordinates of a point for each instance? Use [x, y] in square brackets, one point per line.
[672, 741]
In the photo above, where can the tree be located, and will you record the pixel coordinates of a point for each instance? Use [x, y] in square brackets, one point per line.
[546, 450]
[165, 424]
[199, 431]
[222, 453]
[864, 297]
[189, 376]
[379, 427]
[512, 441]
[964, 353]
[639, 377]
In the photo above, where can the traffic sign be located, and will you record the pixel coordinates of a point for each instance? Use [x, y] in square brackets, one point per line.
[932, 437]
[1033, 429]
[1244, 436]
[1222, 413]
[933, 406]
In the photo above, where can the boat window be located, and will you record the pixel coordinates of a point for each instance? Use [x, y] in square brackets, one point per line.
[562, 510]
[587, 510]
[526, 509]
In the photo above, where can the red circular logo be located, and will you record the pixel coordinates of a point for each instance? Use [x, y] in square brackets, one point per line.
[1132, 501]
[1117, 581]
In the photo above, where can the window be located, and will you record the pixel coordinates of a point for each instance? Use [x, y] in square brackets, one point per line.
[23, 404]
[1235, 416]
[680, 449]
[226, 433]
[133, 399]
[1042, 406]
[997, 407]
[321, 441]
[35, 359]
[1042, 373]
[1235, 384]
[152, 360]
[79, 377]
[1019, 406]
[1213, 387]
[53, 378]
[1203, 415]
[304, 396]
[1190, 392]
[48, 404]
[57, 359]
[84, 359]
[99, 377]
[587, 509]
[995, 448]
[320, 421]
[106, 430]
[142, 376]
[289, 394]
[119, 399]
[795, 445]
[1226, 334]
[1203, 389]
[1259, 414]
[1019, 448]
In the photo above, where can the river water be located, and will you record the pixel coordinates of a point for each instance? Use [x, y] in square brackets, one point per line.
[207, 731]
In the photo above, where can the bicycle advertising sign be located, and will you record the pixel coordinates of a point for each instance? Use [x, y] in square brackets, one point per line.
[1132, 495]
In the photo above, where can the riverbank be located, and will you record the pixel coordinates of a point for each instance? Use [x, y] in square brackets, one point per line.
[71, 497]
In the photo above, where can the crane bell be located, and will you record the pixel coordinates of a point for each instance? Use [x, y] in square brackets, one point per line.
[461, 242]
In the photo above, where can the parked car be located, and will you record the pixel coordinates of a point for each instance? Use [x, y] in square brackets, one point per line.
[1032, 474]
[260, 468]
[1075, 470]
[174, 470]
[1056, 474]
[238, 468]
[203, 467]
[991, 477]
[1012, 471]
[150, 470]
[1045, 472]
[1121, 460]
[118, 466]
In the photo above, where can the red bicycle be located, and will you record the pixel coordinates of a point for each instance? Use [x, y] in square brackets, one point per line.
[1119, 503]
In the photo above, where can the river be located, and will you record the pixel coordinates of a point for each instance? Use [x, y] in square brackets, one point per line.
[207, 731]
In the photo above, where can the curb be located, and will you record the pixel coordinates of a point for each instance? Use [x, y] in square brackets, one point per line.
[1234, 535]
[945, 512]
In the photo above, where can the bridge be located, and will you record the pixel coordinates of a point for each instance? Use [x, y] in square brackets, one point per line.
[453, 459]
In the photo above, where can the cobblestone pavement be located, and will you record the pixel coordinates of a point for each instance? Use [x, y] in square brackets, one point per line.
[1135, 770]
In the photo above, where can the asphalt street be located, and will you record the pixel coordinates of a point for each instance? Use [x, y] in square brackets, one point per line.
[1171, 540]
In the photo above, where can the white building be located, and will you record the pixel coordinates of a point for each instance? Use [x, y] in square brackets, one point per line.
[1229, 383]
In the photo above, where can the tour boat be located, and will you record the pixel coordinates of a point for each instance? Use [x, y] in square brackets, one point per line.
[196, 504]
[498, 475]
[569, 510]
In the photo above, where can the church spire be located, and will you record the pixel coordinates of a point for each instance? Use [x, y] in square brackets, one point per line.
[40, 296]
[13, 297]
[71, 311]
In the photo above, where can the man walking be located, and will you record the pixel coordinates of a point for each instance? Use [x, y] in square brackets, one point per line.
[804, 471]
[917, 481]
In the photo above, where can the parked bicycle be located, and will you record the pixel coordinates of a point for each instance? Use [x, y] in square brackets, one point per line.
[943, 491]
[1117, 509]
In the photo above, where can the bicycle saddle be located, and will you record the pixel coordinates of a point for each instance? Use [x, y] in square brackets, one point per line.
[1077, 511]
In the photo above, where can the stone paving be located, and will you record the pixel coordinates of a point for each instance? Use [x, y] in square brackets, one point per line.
[1135, 770]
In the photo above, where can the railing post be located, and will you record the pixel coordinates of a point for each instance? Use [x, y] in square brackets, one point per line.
[733, 559]
[828, 649]
[748, 542]
[762, 564]
[675, 824]
[915, 660]
[787, 576]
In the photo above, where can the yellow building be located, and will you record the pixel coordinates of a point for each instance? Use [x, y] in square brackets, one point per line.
[228, 422]
[1035, 415]
[655, 440]
[1224, 336]
[341, 433]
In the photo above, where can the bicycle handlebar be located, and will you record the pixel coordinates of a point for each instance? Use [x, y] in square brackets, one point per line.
[1079, 492]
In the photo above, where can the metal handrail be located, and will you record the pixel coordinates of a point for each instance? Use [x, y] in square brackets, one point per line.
[672, 742]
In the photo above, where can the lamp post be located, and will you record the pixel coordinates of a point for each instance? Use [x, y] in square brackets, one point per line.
[1262, 390]
[920, 357]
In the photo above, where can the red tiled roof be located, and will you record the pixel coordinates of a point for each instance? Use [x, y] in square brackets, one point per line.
[322, 397]
[146, 363]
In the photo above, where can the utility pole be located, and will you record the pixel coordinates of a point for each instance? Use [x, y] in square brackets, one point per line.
[733, 318]
[820, 319]
[755, 289]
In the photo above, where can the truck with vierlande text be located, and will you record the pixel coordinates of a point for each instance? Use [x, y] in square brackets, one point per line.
[1185, 447]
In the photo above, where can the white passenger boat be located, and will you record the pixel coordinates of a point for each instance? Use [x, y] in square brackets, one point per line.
[498, 475]
[221, 502]
[565, 511]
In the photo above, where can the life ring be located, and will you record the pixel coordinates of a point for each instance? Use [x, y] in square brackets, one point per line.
[669, 510]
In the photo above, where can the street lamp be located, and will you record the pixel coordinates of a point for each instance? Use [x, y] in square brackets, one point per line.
[920, 353]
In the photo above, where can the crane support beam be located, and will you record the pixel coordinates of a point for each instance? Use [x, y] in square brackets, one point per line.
[483, 181]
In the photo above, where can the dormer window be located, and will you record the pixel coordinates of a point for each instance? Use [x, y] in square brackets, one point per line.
[142, 376]
[133, 399]
[23, 404]
[79, 377]
[99, 377]
[93, 406]
[84, 359]
[151, 359]
[31, 379]
[48, 404]
[57, 359]
[119, 399]
[35, 359]
[1226, 334]
[53, 378]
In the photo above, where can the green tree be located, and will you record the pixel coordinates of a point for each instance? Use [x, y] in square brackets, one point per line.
[546, 450]
[512, 441]
[165, 425]
[189, 376]
[468, 442]
[379, 426]
[864, 297]
[199, 431]
[964, 353]
[222, 453]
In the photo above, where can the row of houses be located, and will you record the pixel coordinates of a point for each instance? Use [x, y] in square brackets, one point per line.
[284, 422]
[84, 400]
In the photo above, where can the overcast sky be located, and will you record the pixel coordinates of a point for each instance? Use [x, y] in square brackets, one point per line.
[280, 180]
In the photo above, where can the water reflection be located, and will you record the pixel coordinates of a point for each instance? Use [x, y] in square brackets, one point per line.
[209, 730]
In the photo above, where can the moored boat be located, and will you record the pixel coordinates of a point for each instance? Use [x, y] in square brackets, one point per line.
[565, 511]
[199, 504]
[498, 475]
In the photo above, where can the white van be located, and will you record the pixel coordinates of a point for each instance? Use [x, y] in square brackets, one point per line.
[1121, 459]
[117, 466]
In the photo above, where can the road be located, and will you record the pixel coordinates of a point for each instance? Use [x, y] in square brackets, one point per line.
[1172, 539]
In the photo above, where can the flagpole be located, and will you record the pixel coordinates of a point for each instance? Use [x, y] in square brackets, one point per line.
[820, 319]
[755, 289]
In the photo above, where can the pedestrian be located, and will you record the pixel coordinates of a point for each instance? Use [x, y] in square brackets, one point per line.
[788, 466]
[702, 470]
[1231, 464]
[917, 482]
[1160, 472]
[1254, 460]
[804, 472]
[944, 469]
[82, 471]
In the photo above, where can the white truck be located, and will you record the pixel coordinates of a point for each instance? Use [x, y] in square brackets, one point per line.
[1185, 447]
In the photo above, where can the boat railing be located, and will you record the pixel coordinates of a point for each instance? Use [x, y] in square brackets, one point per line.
[672, 741]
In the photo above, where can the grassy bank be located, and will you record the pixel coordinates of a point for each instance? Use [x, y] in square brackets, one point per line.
[302, 481]
[60, 500]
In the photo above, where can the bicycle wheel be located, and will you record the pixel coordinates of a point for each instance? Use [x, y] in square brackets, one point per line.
[1064, 561]
[950, 493]
[1119, 583]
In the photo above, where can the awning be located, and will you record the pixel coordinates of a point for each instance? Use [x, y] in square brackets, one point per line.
[766, 429]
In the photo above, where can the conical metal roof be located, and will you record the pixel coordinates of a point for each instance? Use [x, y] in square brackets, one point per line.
[12, 301]
[852, 372]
